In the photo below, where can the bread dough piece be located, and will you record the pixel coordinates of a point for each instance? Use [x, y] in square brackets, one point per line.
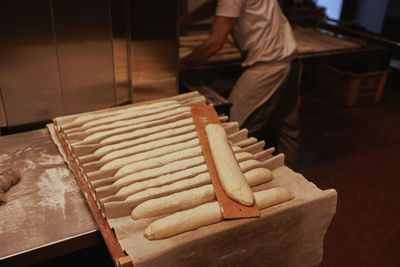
[156, 154]
[145, 151]
[191, 198]
[119, 119]
[108, 186]
[93, 152]
[232, 179]
[86, 117]
[162, 180]
[175, 202]
[184, 221]
[241, 156]
[251, 176]
[208, 213]
[249, 164]
[257, 176]
[79, 138]
[149, 130]
[134, 118]
[160, 142]
[155, 192]
[163, 112]
[160, 161]
[104, 134]
[169, 168]
[144, 139]
[8, 178]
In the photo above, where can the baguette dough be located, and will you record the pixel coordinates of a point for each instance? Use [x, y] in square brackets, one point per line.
[103, 134]
[151, 155]
[121, 119]
[232, 179]
[118, 137]
[148, 146]
[208, 213]
[155, 192]
[160, 161]
[144, 139]
[93, 116]
[175, 202]
[148, 174]
[129, 119]
[125, 116]
[191, 198]
[162, 180]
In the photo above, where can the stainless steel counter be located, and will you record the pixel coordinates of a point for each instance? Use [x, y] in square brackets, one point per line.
[45, 215]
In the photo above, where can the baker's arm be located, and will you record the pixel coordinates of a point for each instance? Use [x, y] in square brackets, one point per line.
[220, 30]
[204, 11]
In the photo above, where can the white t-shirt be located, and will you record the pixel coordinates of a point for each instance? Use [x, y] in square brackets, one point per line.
[262, 32]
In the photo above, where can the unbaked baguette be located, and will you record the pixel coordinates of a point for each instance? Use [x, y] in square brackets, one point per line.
[146, 135]
[114, 136]
[184, 99]
[160, 161]
[168, 137]
[191, 198]
[208, 213]
[103, 134]
[163, 112]
[127, 184]
[120, 119]
[81, 119]
[143, 151]
[152, 155]
[160, 142]
[230, 175]
[139, 131]
[103, 189]
[172, 167]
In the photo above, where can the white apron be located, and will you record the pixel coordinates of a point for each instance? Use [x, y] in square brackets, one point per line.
[254, 87]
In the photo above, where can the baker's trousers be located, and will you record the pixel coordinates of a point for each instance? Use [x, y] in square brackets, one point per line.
[277, 120]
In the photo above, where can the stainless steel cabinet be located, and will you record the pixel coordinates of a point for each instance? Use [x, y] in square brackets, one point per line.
[29, 77]
[61, 57]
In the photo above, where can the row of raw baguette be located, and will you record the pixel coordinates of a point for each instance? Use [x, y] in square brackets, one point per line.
[135, 175]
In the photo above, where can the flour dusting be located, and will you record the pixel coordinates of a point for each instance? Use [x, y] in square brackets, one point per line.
[4, 157]
[16, 217]
[46, 159]
[28, 165]
[53, 184]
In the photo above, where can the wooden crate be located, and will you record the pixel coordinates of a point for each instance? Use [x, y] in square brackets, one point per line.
[350, 88]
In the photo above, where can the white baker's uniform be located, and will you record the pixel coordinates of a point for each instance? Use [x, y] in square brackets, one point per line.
[266, 40]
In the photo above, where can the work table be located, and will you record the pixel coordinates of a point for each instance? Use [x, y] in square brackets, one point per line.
[45, 214]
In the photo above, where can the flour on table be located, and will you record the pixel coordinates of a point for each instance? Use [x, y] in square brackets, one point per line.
[4, 157]
[53, 184]
[18, 215]
[28, 165]
[46, 159]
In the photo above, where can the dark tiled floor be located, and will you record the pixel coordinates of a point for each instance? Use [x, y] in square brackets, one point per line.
[356, 151]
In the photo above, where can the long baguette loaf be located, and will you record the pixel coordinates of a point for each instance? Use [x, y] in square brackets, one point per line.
[151, 154]
[191, 198]
[208, 213]
[84, 118]
[232, 179]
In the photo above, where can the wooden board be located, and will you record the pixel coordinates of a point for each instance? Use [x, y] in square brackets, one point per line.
[203, 115]
[118, 255]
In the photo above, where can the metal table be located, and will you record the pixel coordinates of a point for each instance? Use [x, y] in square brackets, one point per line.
[46, 214]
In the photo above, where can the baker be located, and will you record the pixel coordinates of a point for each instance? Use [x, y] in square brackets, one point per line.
[265, 97]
